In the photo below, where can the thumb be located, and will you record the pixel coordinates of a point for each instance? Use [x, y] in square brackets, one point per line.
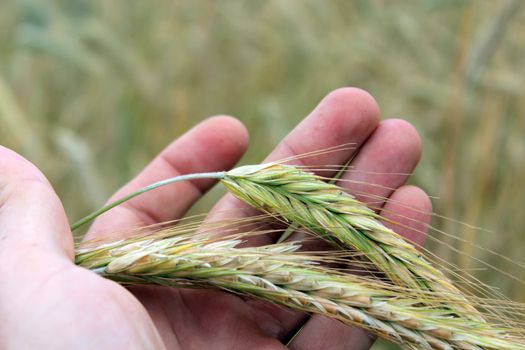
[32, 219]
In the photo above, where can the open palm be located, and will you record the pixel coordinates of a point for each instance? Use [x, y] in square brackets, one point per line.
[48, 302]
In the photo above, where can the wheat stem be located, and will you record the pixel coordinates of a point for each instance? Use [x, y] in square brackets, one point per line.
[187, 177]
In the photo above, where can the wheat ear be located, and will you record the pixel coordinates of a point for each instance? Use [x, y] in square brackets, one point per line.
[324, 208]
[279, 274]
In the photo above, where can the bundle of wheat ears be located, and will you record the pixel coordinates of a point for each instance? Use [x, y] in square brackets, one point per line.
[399, 294]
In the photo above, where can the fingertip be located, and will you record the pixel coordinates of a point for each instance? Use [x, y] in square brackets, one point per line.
[406, 135]
[419, 198]
[409, 212]
[346, 116]
[215, 144]
[232, 129]
[13, 166]
[225, 136]
[355, 105]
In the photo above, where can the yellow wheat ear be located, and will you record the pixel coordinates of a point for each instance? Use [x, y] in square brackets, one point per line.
[281, 274]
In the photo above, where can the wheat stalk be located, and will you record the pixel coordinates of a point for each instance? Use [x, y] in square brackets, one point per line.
[304, 198]
[280, 274]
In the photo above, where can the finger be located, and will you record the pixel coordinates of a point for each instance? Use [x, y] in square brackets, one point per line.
[384, 163]
[408, 212]
[410, 208]
[213, 145]
[346, 115]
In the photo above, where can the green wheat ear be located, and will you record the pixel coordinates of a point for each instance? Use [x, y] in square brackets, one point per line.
[327, 210]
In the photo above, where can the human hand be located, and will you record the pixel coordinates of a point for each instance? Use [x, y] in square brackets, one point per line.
[48, 302]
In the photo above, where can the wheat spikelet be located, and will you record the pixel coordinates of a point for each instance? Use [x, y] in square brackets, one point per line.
[280, 274]
[304, 198]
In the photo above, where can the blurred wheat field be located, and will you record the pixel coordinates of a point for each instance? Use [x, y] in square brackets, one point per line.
[90, 91]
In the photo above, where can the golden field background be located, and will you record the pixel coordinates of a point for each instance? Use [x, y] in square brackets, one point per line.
[90, 91]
